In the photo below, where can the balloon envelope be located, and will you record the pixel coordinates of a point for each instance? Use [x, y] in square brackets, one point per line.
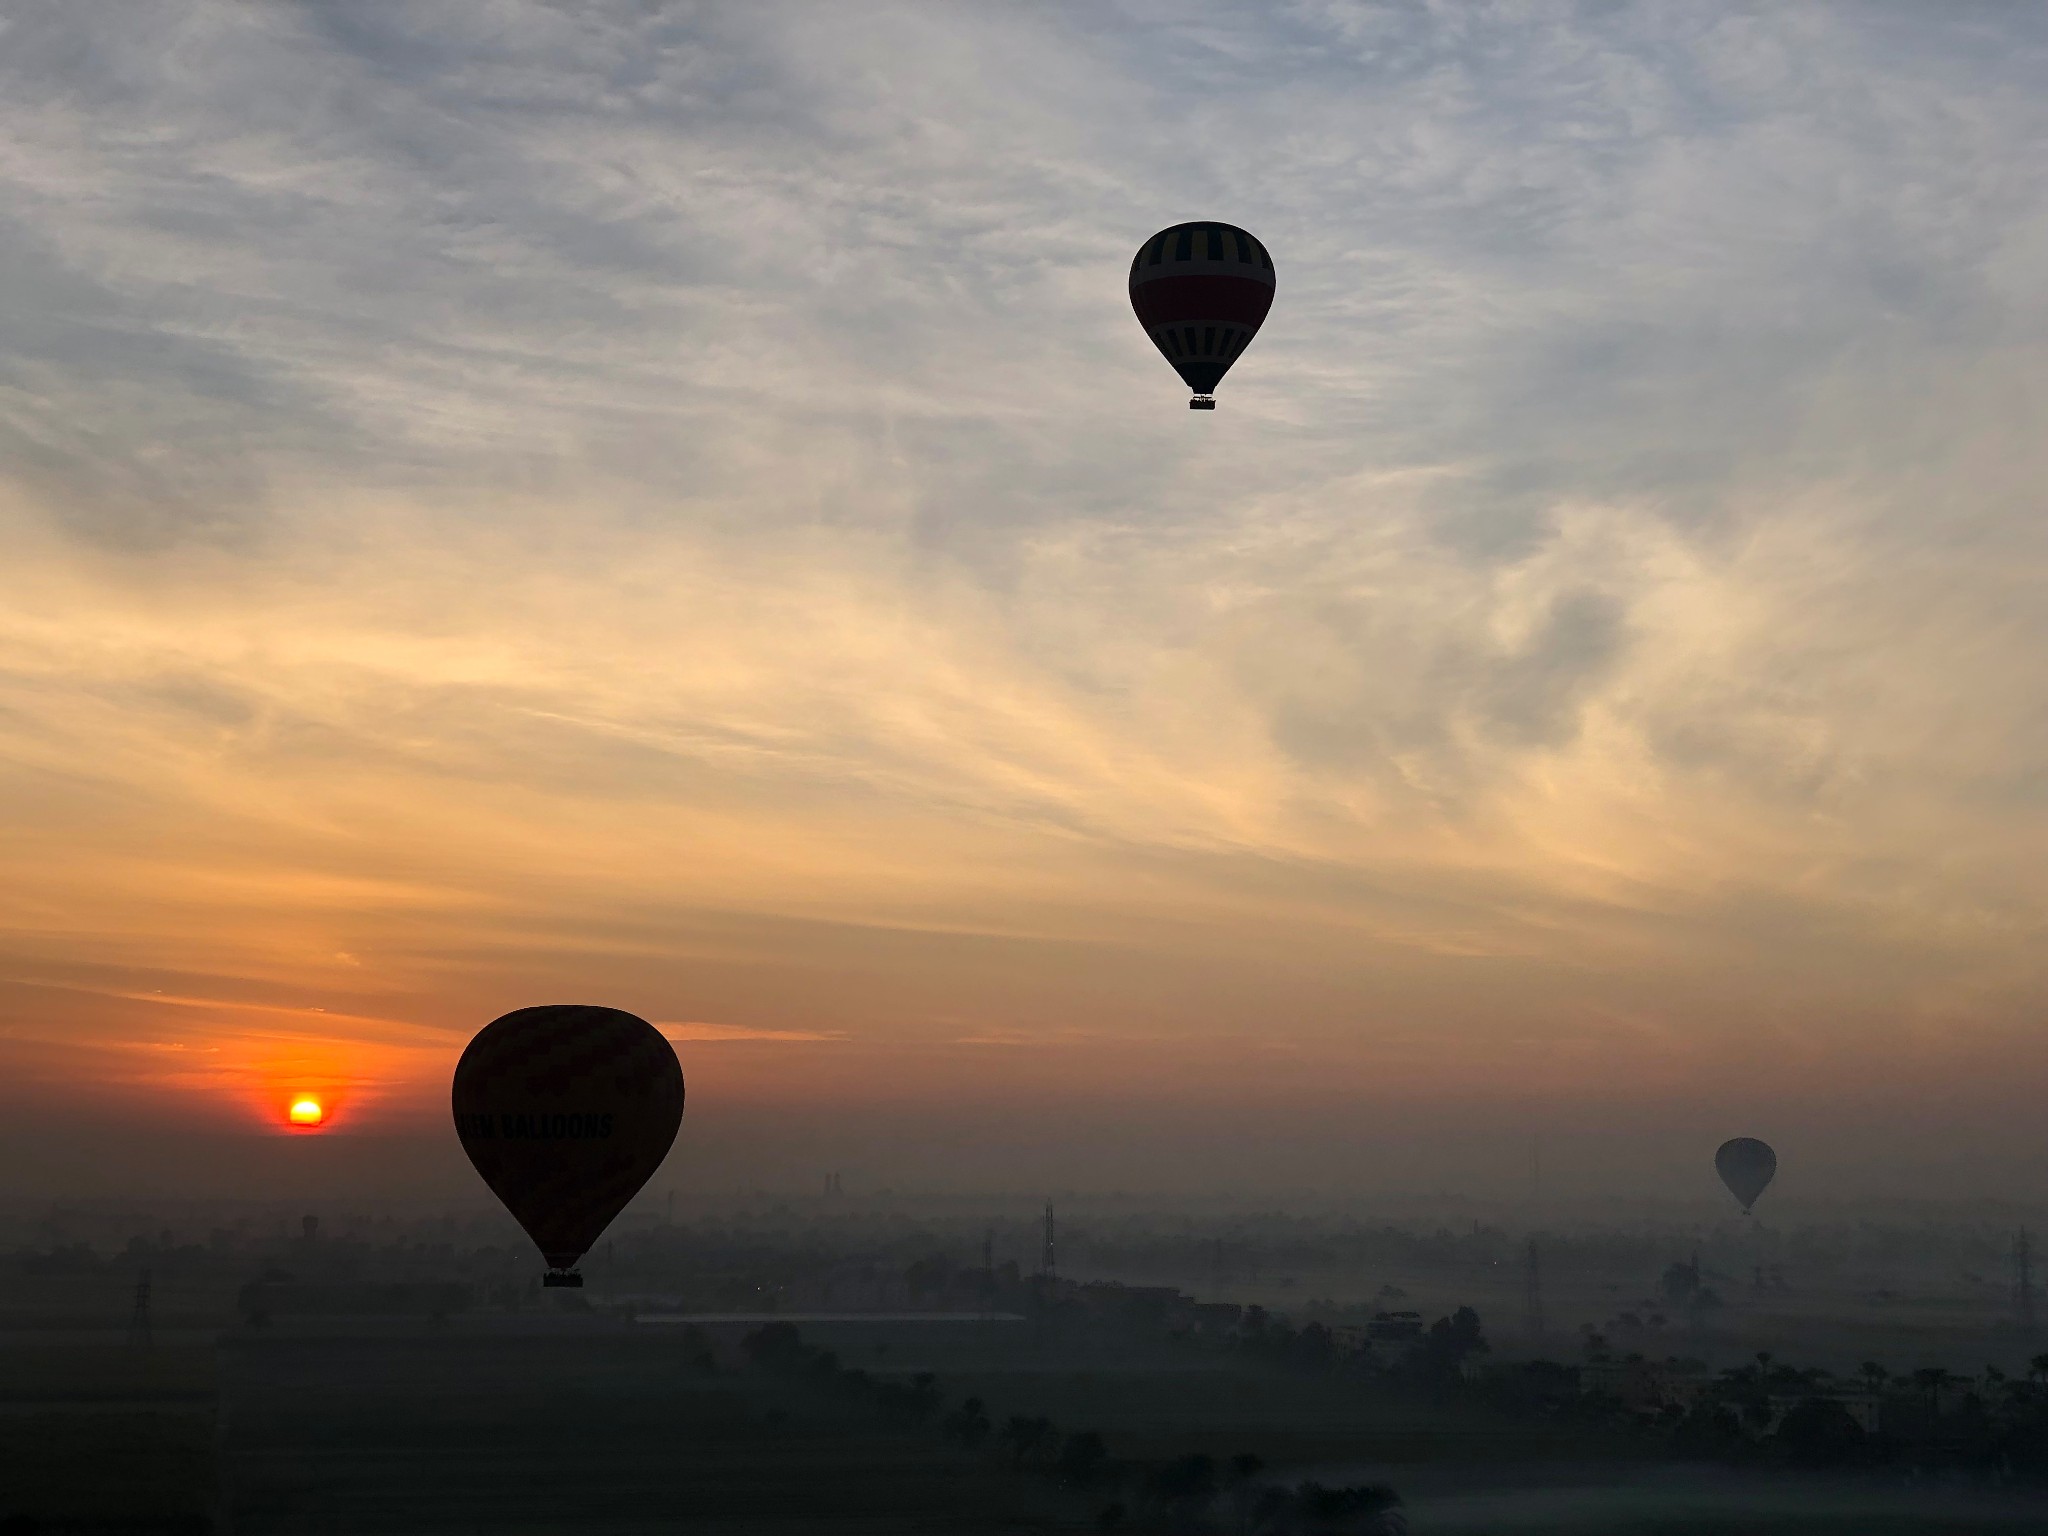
[1201, 291]
[1746, 1166]
[566, 1111]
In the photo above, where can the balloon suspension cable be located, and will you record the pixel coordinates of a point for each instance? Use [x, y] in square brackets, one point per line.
[563, 1277]
[1202, 403]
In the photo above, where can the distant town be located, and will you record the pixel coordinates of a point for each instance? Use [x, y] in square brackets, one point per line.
[1106, 1365]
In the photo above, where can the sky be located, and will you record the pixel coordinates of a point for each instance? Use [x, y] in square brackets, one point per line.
[666, 505]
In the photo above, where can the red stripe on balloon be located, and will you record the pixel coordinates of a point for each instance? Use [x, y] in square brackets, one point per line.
[1201, 301]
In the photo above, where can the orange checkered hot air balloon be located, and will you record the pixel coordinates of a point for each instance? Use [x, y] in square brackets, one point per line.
[1201, 292]
[567, 1111]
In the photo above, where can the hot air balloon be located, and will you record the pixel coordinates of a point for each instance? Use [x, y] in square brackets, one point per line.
[1746, 1166]
[566, 1111]
[1201, 292]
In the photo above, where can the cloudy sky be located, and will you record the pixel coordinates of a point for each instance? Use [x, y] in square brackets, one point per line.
[667, 505]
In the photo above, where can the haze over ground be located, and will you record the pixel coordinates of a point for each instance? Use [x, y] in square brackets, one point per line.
[668, 507]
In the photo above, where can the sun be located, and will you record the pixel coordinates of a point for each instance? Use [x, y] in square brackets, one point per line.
[307, 1112]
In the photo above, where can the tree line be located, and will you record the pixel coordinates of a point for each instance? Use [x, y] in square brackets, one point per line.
[1193, 1494]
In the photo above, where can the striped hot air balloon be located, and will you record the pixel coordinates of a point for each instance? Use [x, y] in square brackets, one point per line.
[1201, 292]
[567, 1111]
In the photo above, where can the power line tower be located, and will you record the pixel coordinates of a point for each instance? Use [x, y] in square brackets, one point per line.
[2023, 1279]
[1532, 1292]
[139, 1330]
[1049, 1260]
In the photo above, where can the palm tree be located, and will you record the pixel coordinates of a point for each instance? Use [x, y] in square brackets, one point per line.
[2037, 1369]
[1933, 1378]
[1875, 1374]
[1026, 1435]
[968, 1424]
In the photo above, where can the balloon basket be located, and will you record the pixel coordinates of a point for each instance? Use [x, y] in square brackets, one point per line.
[562, 1277]
[1202, 403]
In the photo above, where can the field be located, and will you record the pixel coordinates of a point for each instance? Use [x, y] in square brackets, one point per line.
[96, 1435]
[588, 1429]
[533, 1426]
[549, 1419]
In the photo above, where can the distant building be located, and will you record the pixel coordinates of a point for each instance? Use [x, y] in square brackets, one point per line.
[1391, 1336]
[1217, 1317]
[1154, 1303]
[1861, 1405]
[1394, 1327]
[1646, 1386]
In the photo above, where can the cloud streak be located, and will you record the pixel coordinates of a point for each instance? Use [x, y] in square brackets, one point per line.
[670, 503]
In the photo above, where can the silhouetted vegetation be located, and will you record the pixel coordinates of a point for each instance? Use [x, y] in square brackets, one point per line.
[1637, 1385]
[1192, 1493]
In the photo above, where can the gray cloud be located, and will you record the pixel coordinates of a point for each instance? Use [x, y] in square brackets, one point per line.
[1591, 250]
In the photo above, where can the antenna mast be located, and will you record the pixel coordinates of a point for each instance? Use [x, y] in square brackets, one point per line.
[2023, 1279]
[139, 1330]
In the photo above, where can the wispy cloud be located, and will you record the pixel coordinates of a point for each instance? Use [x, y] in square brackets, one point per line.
[671, 503]
[707, 1033]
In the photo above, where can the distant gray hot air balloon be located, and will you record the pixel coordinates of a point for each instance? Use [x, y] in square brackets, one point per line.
[1747, 1167]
